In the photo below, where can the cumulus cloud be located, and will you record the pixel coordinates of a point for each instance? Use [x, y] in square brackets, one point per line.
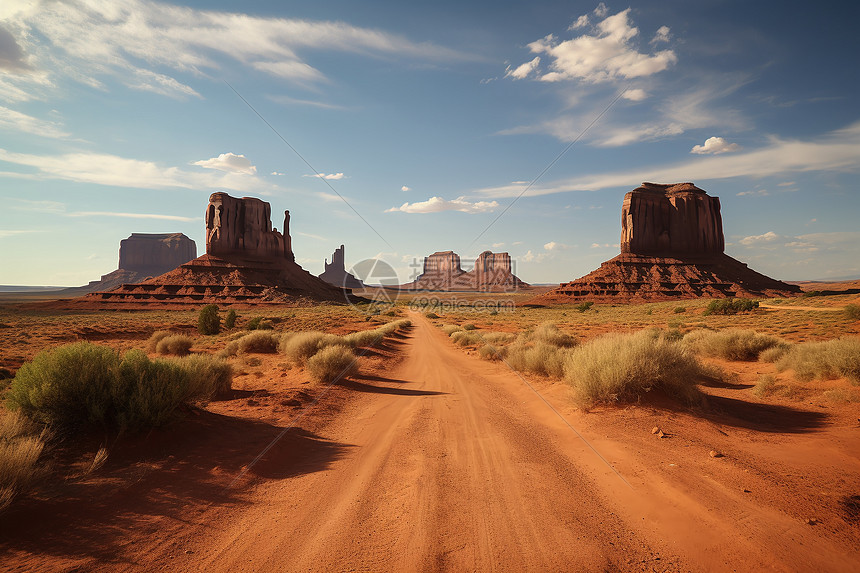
[607, 53]
[531, 257]
[768, 237]
[229, 163]
[523, 70]
[329, 176]
[554, 246]
[405, 188]
[835, 151]
[437, 205]
[580, 23]
[662, 35]
[105, 169]
[715, 146]
[635, 94]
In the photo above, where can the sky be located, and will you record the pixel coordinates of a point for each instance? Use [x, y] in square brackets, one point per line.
[400, 129]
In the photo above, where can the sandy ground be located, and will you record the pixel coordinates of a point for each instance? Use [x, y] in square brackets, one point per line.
[433, 460]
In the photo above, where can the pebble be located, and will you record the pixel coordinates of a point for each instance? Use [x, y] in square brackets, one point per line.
[715, 454]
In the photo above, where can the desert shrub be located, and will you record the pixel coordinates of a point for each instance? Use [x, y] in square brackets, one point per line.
[765, 386]
[823, 360]
[730, 306]
[175, 344]
[258, 342]
[208, 376]
[680, 309]
[302, 345]
[254, 323]
[469, 326]
[332, 363]
[230, 319]
[622, 367]
[391, 327]
[489, 352]
[498, 337]
[431, 315]
[549, 333]
[465, 338]
[731, 344]
[208, 321]
[537, 357]
[157, 336]
[852, 311]
[450, 329]
[21, 445]
[812, 293]
[85, 384]
[583, 306]
[363, 338]
[232, 349]
[774, 353]
[266, 325]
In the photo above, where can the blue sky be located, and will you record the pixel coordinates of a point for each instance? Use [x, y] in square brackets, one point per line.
[430, 120]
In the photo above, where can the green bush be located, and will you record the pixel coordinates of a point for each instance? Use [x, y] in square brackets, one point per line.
[332, 363]
[623, 367]
[208, 321]
[680, 309]
[85, 384]
[730, 306]
[731, 344]
[583, 306]
[258, 342]
[176, 344]
[852, 311]
[208, 376]
[230, 319]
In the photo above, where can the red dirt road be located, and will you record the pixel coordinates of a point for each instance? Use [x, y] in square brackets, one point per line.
[449, 463]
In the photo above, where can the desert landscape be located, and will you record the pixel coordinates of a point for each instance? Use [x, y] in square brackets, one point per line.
[429, 287]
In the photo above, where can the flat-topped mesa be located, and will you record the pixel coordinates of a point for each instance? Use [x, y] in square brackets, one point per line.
[442, 263]
[154, 254]
[242, 228]
[672, 220]
[492, 268]
[442, 271]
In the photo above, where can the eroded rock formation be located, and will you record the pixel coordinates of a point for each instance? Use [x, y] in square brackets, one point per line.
[152, 255]
[671, 248]
[246, 262]
[335, 272]
[442, 271]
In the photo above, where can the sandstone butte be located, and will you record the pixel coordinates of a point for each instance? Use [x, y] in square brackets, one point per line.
[442, 272]
[672, 247]
[335, 272]
[247, 262]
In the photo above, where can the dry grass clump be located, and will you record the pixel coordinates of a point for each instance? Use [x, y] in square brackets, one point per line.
[21, 445]
[208, 376]
[332, 363]
[85, 384]
[498, 337]
[549, 333]
[731, 344]
[450, 329]
[466, 338]
[363, 338]
[621, 367]
[824, 360]
[852, 311]
[157, 336]
[300, 346]
[258, 342]
[537, 356]
[175, 344]
[774, 353]
[765, 386]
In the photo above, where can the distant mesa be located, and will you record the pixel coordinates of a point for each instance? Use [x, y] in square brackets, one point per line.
[247, 261]
[335, 272]
[442, 272]
[142, 256]
[672, 247]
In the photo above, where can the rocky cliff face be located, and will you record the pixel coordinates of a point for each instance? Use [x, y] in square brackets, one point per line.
[671, 220]
[152, 255]
[671, 248]
[335, 272]
[242, 228]
[442, 271]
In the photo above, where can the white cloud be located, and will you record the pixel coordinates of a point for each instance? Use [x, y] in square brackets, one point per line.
[229, 163]
[835, 151]
[5, 233]
[287, 100]
[715, 146]
[754, 192]
[606, 54]
[105, 169]
[405, 188]
[298, 71]
[437, 205]
[130, 215]
[11, 119]
[523, 70]
[580, 22]
[554, 246]
[768, 237]
[599, 246]
[662, 35]
[530, 257]
[635, 94]
[330, 197]
[785, 184]
[498, 245]
[329, 176]
[277, 173]
[601, 10]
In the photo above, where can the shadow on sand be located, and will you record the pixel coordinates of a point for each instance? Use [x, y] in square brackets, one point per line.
[176, 472]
